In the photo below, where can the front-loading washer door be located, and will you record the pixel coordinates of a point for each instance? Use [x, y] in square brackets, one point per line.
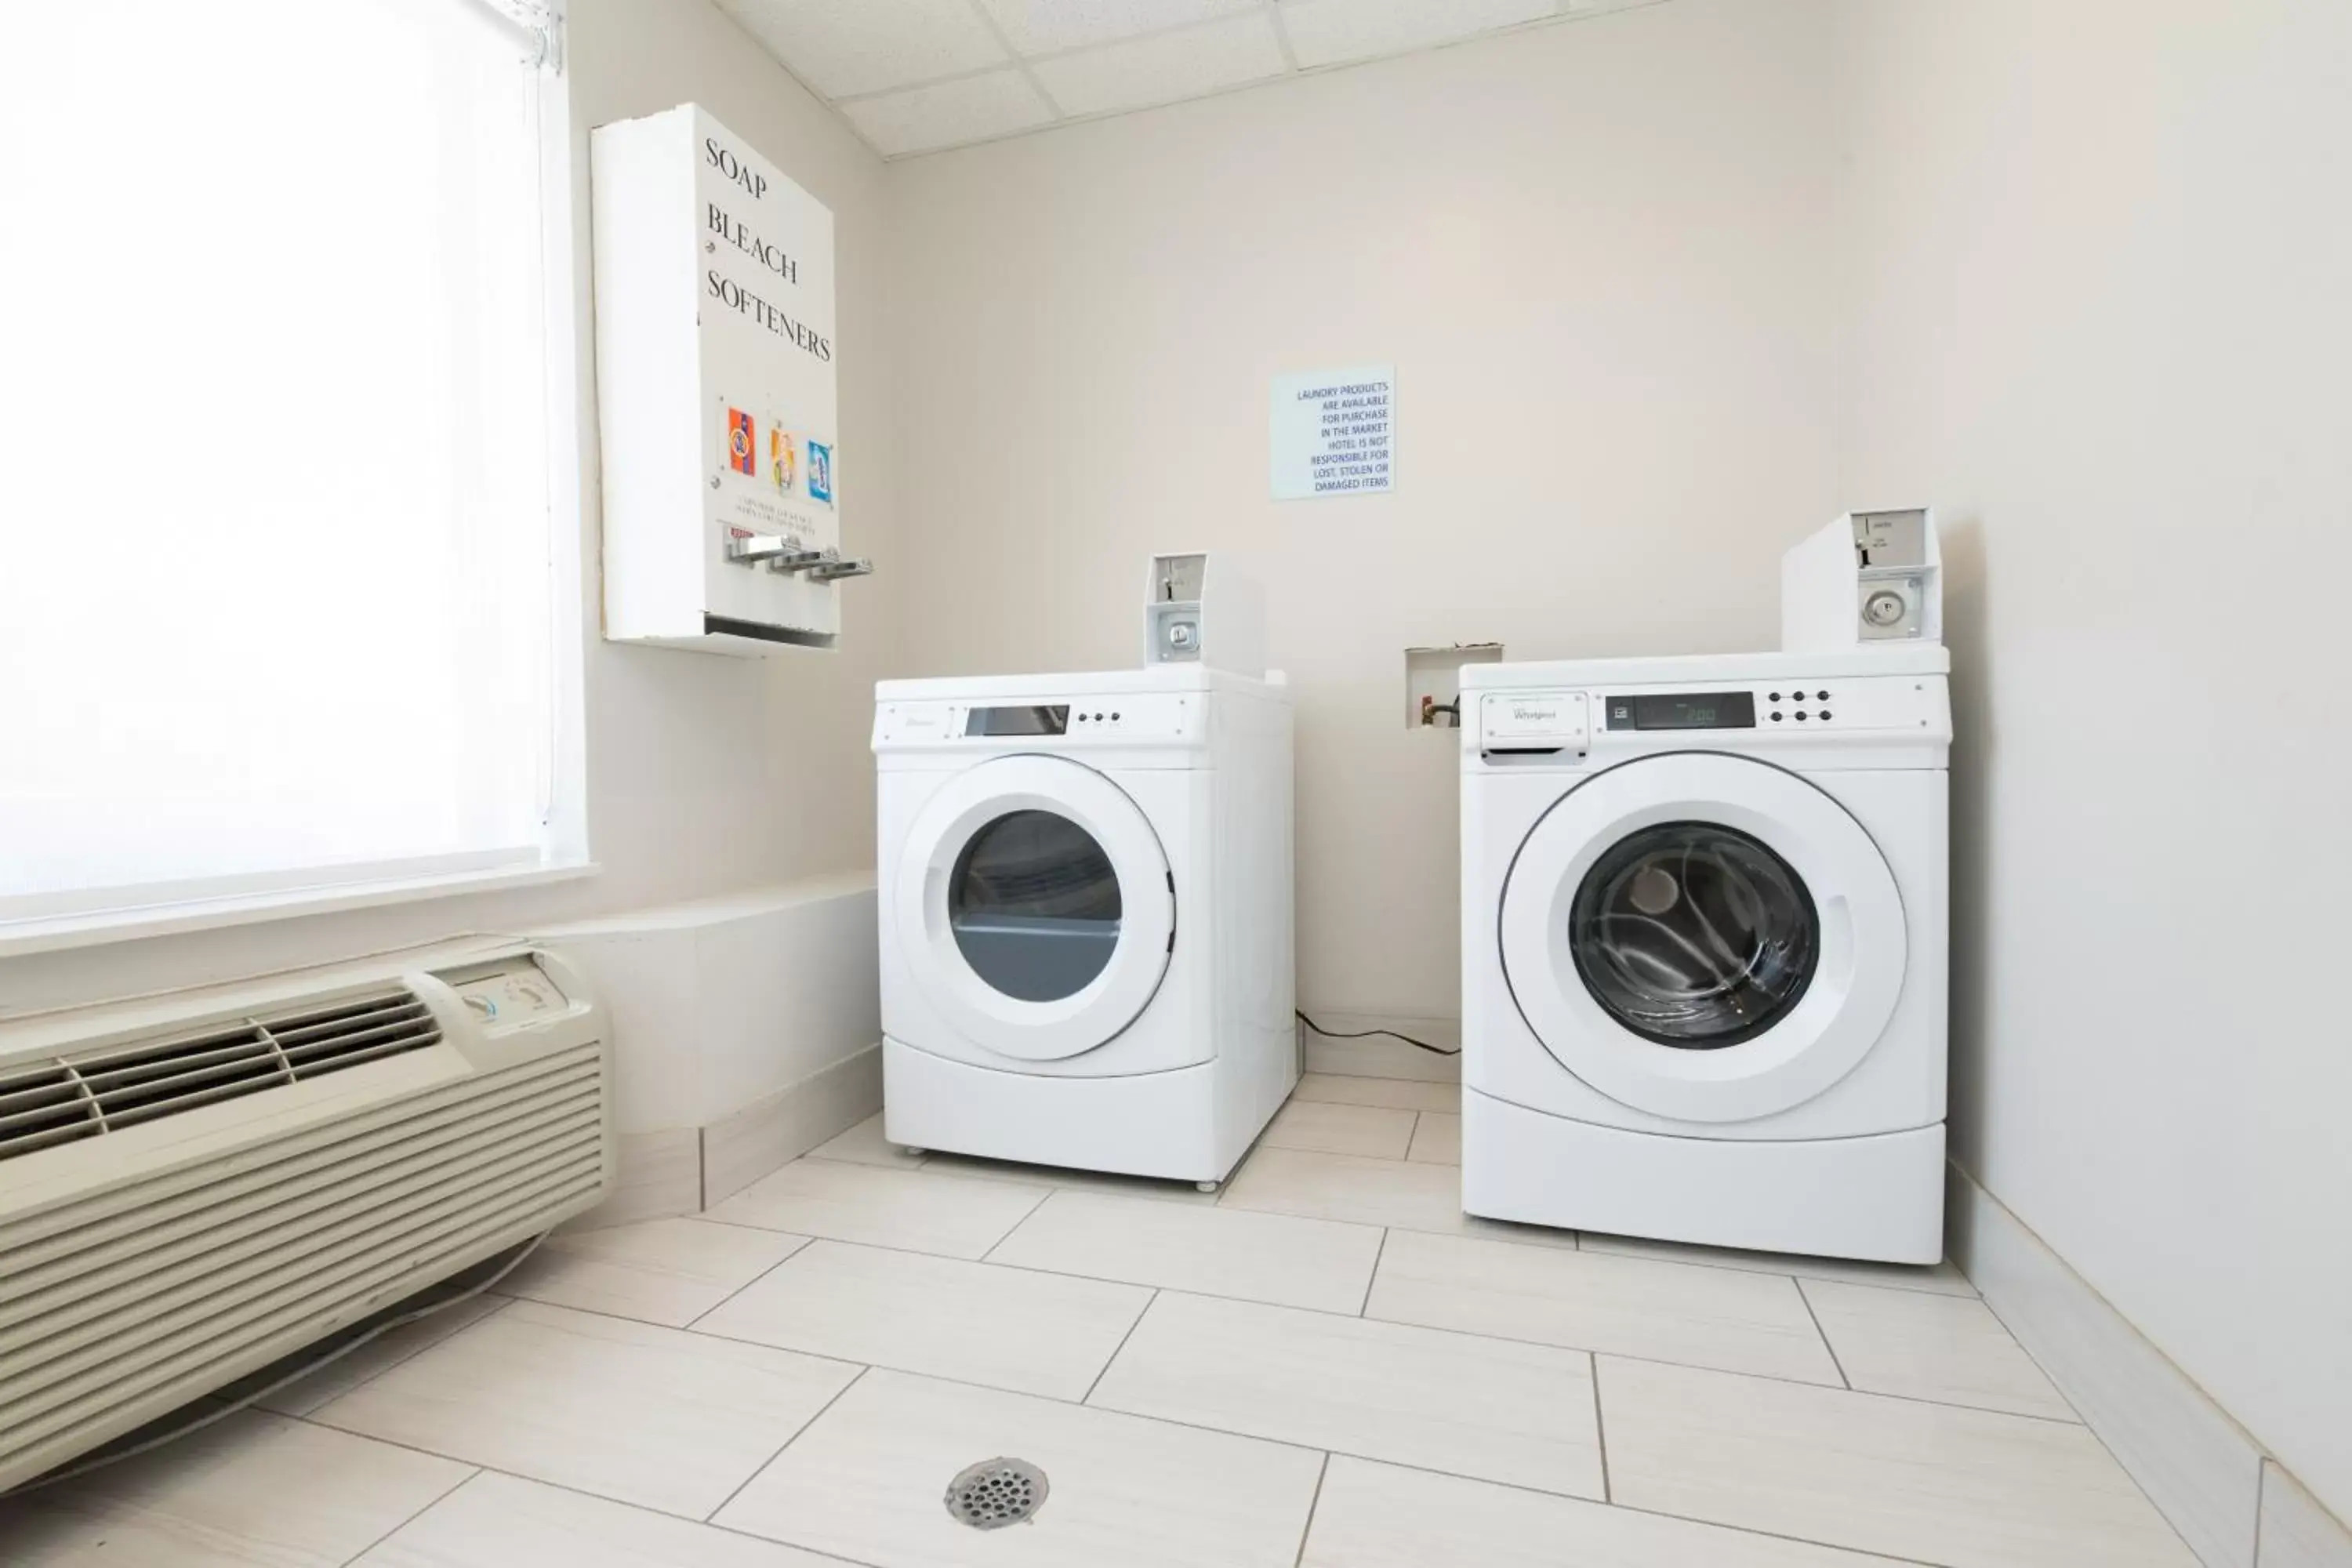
[1703, 937]
[1035, 906]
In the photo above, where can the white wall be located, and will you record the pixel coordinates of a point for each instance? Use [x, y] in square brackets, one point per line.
[1595, 254]
[2098, 305]
[703, 773]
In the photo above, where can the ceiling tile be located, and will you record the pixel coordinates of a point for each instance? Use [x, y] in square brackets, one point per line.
[1042, 27]
[845, 46]
[1327, 32]
[949, 113]
[1163, 68]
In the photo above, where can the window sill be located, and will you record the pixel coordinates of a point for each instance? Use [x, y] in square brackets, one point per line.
[20, 938]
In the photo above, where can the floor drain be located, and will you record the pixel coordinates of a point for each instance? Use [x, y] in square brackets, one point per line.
[997, 1492]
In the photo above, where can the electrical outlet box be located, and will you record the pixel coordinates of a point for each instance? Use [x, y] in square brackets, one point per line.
[1433, 682]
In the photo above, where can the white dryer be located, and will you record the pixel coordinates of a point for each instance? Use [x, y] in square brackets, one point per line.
[1704, 955]
[1084, 894]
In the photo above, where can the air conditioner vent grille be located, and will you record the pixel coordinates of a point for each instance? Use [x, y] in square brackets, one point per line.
[41, 1104]
[107, 1089]
[325, 1040]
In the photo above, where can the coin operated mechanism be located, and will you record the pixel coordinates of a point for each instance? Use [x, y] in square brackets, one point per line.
[1201, 609]
[1869, 577]
[781, 554]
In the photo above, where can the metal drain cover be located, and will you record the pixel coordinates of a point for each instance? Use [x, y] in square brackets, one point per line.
[996, 1492]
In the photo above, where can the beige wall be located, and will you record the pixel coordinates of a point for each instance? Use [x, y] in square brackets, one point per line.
[703, 773]
[1595, 254]
[2098, 304]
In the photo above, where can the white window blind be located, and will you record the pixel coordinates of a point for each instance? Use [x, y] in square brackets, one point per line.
[275, 584]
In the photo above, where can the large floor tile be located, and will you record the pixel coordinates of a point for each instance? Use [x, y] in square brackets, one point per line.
[502, 1521]
[1942, 1280]
[1944, 1348]
[252, 1489]
[656, 1416]
[1935, 1483]
[348, 1371]
[1505, 1411]
[978, 1322]
[658, 1272]
[1212, 1251]
[1436, 1139]
[1367, 1130]
[865, 1145]
[1398, 1093]
[1061, 1178]
[866, 1481]
[1368, 1192]
[921, 1211]
[1377, 1516]
[1668, 1311]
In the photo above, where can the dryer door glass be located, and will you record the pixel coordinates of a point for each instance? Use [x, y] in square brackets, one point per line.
[1033, 903]
[1694, 935]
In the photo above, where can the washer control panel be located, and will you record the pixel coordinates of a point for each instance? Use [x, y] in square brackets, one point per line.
[1571, 722]
[1534, 720]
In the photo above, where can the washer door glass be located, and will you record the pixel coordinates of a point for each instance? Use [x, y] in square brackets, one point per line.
[1694, 935]
[1033, 903]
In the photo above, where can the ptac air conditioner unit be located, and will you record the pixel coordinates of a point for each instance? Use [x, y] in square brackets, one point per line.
[195, 1185]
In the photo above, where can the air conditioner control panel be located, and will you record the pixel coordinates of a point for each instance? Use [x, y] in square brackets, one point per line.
[512, 992]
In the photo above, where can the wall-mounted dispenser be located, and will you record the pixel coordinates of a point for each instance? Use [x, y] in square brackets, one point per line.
[1869, 577]
[1200, 609]
[715, 370]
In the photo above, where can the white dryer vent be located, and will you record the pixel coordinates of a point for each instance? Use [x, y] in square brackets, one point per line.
[194, 1186]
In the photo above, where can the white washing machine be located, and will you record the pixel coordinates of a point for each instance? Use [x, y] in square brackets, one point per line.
[1704, 960]
[1084, 892]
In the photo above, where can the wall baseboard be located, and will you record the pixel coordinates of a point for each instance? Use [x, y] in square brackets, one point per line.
[1382, 1057]
[685, 1170]
[770, 1133]
[2234, 1505]
[2296, 1531]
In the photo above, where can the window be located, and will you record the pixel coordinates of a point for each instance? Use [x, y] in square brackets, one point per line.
[277, 578]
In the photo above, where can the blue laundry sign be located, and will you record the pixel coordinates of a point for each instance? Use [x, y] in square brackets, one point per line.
[1333, 433]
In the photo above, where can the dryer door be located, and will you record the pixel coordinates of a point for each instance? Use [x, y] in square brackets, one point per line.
[1035, 906]
[1703, 937]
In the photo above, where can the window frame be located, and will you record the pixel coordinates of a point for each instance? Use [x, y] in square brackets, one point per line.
[164, 909]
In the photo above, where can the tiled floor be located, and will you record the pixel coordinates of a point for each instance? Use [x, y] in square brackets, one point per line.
[1326, 1364]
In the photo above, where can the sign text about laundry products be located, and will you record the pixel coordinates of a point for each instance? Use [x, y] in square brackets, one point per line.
[1333, 433]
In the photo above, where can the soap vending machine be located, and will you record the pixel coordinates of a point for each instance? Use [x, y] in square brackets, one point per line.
[716, 371]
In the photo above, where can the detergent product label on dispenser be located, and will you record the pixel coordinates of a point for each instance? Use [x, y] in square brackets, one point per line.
[767, 478]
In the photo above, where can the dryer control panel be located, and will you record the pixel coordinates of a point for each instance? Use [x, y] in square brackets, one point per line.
[1051, 723]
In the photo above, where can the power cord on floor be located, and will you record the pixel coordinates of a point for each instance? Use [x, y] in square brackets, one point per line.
[116, 1455]
[1314, 1028]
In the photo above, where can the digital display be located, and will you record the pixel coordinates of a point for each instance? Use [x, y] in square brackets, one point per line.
[1038, 720]
[1684, 710]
